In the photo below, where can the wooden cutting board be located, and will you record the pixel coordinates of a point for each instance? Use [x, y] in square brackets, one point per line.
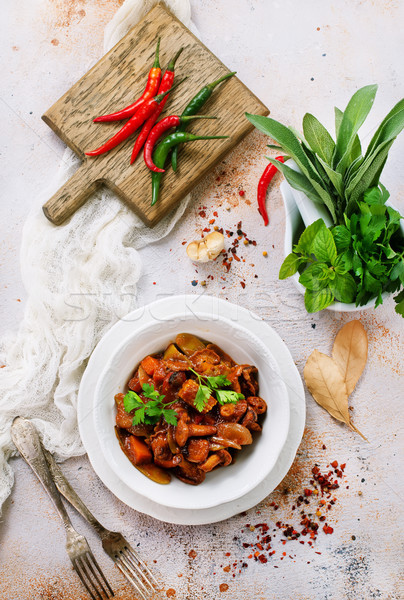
[116, 81]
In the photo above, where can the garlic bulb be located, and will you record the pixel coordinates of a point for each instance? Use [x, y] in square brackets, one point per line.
[206, 249]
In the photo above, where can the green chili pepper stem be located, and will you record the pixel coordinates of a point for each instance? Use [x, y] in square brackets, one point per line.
[171, 64]
[215, 83]
[159, 97]
[163, 148]
[156, 64]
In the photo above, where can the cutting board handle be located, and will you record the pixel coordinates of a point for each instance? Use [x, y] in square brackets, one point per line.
[70, 196]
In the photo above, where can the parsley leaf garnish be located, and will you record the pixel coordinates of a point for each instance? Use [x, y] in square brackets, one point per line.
[208, 386]
[151, 411]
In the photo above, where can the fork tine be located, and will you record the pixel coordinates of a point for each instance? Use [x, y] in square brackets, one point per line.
[129, 566]
[134, 555]
[87, 573]
[91, 563]
[124, 570]
[132, 564]
[82, 579]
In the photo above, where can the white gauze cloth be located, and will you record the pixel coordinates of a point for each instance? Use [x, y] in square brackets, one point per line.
[81, 277]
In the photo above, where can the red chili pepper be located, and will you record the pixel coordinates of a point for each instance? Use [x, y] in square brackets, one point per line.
[158, 130]
[165, 85]
[265, 180]
[150, 91]
[134, 122]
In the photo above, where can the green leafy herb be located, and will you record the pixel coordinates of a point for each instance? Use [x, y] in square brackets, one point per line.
[149, 412]
[210, 386]
[335, 173]
[353, 262]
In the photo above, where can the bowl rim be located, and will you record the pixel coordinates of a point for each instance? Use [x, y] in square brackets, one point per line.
[263, 350]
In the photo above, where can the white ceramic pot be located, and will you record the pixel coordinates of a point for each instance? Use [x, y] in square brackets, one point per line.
[301, 212]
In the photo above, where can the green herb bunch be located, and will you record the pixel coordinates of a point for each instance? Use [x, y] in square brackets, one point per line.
[210, 386]
[335, 173]
[362, 255]
[353, 262]
[152, 410]
[149, 412]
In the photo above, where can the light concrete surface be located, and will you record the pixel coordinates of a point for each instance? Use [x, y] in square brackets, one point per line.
[296, 57]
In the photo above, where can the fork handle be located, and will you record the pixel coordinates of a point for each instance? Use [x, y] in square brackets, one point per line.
[26, 438]
[69, 493]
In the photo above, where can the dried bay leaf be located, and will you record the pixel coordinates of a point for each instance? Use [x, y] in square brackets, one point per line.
[350, 352]
[326, 384]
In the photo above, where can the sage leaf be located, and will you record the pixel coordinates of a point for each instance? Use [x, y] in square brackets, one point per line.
[350, 352]
[318, 138]
[323, 246]
[353, 118]
[375, 141]
[326, 384]
[297, 181]
[366, 175]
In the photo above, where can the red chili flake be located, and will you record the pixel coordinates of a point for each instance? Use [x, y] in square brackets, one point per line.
[183, 243]
[241, 193]
[215, 214]
[342, 467]
[242, 284]
[211, 221]
[236, 257]
[202, 214]
[206, 229]
[327, 529]
[227, 554]
[262, 558]
[334, 464]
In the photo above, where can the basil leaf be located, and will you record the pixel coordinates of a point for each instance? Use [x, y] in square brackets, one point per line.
[318, 138]
[344, 287]
[342, 237]
[289, 266]
[317, 300]
[315, 277]
[306, 239]
[323, 246]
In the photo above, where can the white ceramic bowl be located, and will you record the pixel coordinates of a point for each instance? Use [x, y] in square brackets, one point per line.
[300, 212]
[253, 463]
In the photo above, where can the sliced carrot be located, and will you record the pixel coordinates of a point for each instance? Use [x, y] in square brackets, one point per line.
[137, 451]
[149, 364]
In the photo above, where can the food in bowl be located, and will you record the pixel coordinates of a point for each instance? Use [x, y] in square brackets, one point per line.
[188, 410]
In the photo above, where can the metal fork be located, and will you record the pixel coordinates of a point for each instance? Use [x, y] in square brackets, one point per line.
[115, 545]
[26, 438]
